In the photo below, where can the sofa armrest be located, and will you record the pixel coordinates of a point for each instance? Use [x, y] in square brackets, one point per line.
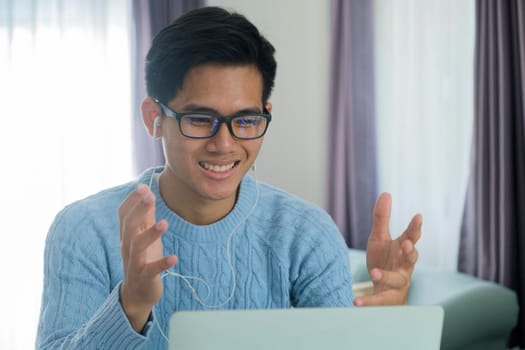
[478, 314]
[358, 267]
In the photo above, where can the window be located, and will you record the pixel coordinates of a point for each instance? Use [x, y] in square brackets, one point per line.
[424, 92]
[66, 126]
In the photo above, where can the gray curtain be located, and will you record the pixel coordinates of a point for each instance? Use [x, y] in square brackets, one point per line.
[149, 17]
[352, 181]
[493, 230]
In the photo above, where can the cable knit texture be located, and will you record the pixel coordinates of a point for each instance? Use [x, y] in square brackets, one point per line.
[285, 253]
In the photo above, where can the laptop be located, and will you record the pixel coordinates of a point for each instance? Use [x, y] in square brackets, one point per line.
[385, 327]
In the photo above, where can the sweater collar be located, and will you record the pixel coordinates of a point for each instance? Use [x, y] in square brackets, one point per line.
[217, 231]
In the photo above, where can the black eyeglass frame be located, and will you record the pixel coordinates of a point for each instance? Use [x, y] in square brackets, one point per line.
[170, 113]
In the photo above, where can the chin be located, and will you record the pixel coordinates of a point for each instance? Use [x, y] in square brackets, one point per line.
[222, 194]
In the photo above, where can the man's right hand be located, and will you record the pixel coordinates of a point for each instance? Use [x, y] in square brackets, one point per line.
[143, 260]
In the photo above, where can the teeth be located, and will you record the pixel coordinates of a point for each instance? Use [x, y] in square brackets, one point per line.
[217, 168]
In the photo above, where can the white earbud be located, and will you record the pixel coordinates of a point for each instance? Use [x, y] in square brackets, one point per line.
[156, 124]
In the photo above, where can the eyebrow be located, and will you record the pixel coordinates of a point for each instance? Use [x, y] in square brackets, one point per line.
[204, 109]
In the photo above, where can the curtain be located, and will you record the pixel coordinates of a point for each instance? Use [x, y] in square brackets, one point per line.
[424, 69]
[351, 132]
[493, 230]
[149, 17]
[64, 97]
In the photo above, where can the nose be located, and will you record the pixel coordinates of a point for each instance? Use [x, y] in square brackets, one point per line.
[222, 141]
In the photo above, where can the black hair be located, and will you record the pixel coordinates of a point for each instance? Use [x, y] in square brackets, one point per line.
[208, 35]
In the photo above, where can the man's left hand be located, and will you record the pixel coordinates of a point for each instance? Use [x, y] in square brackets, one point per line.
[390, 262]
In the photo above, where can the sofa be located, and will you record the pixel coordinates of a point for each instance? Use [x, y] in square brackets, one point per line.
[478, 314]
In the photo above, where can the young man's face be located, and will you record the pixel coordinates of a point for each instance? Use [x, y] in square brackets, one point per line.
[211, 169]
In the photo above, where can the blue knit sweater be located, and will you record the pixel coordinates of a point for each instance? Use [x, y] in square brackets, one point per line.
[284, 251]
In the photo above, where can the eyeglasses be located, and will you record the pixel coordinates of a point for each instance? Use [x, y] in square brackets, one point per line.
[201, 125]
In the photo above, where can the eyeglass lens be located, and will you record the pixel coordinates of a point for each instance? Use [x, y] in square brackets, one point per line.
[244, 127]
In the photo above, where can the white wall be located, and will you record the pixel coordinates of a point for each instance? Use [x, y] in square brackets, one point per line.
[293, 155]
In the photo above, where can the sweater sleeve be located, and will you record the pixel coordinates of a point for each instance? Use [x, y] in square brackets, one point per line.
[320, 267]
[79, 309]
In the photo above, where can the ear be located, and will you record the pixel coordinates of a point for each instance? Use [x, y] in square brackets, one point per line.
[268, 107]
[150, 111]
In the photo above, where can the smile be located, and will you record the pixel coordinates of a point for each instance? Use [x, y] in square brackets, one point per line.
[218, 168]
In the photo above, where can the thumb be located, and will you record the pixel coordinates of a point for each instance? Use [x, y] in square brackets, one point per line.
[381, 219]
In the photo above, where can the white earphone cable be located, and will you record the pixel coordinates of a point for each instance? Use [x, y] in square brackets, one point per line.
[186, 278]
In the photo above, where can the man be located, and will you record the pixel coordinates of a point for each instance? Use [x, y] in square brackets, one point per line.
[203, 234]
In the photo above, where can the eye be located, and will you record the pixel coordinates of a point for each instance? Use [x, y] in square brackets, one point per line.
[199, 120]
[247, 121]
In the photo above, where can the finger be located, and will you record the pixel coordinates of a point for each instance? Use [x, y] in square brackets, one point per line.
[370, 300]
[140, 243]
[384, 280]
[381, 220]
[140, 217]
[153, 269]
[410, 252]
[413, 231]
[137, 215]
[132, 199]
[130, 202]
[387, 298]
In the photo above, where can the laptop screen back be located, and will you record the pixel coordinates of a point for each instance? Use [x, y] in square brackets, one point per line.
[392, 327]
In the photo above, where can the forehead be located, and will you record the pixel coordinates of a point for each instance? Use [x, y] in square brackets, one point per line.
[221, 87]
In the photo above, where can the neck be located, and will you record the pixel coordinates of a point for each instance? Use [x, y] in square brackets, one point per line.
[193, 208]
